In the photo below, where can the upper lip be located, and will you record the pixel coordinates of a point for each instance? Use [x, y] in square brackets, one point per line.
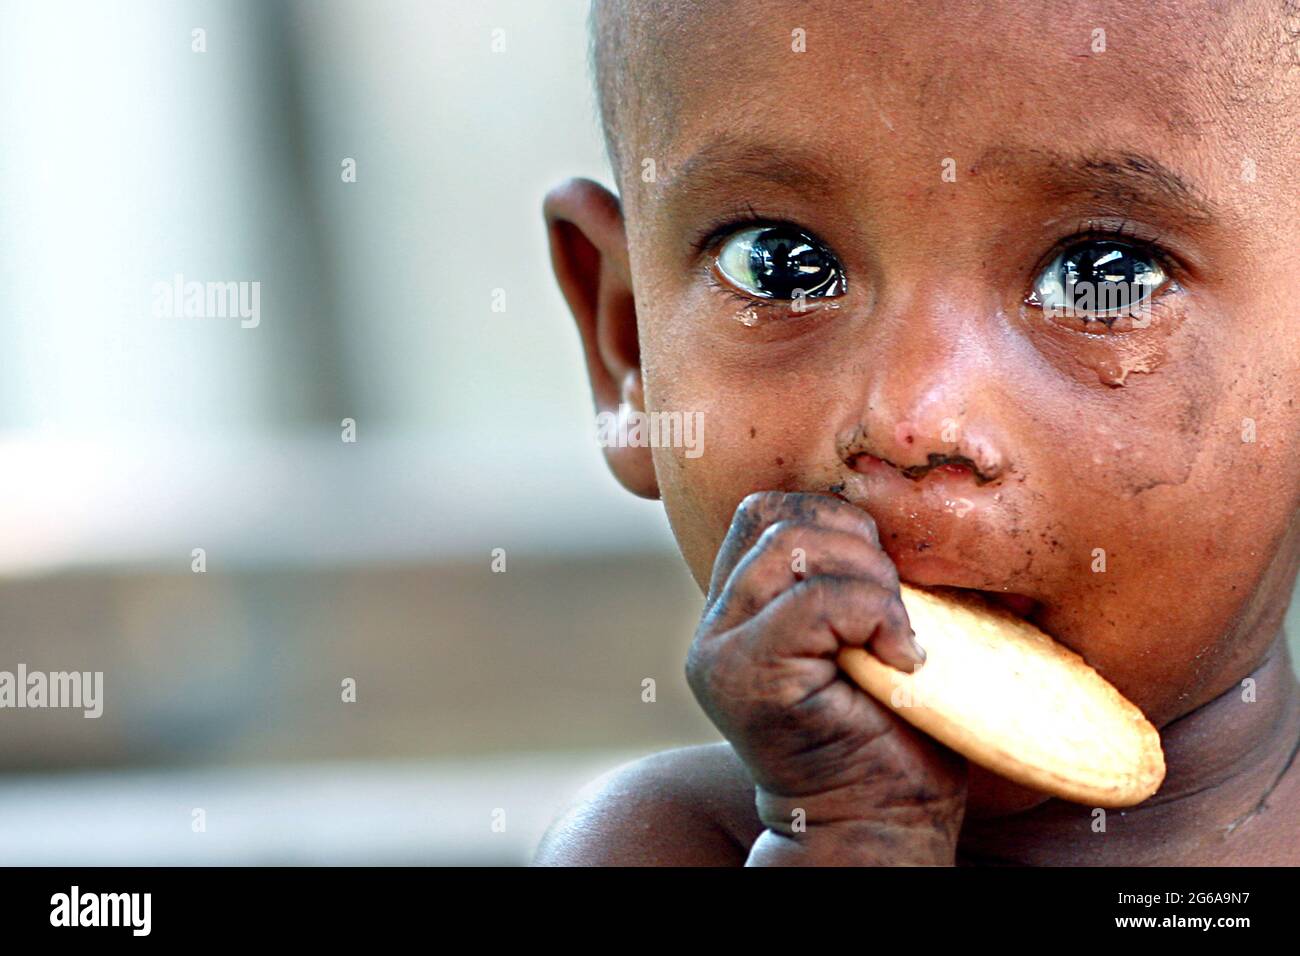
[935, 460]
[947, 530]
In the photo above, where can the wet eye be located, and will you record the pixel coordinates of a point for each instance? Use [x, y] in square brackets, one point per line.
[779, 262]
[1099, 279]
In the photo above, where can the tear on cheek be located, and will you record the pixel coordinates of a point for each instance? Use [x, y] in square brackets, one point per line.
[1115, 371]
[1114, 358]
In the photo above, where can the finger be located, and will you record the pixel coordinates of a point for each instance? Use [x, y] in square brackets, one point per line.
[788, 552]
[785, 657]
[761, 509]
[820, 615]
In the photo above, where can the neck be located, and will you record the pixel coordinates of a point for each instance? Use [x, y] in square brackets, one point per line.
[1224, 759]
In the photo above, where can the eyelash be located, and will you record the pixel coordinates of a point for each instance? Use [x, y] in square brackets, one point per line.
[1086, 229]
[1150, 241]
[745, 216]
[766, 306]
[734, 219]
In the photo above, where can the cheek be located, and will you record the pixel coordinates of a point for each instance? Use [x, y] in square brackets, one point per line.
[741, 451]
[754, 438]
[1191, 494]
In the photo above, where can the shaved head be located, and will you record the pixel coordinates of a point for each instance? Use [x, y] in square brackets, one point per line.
[620, 33]
[638, 52]
[630, 45]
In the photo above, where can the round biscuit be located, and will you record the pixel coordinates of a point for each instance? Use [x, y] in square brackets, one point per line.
[999, 691]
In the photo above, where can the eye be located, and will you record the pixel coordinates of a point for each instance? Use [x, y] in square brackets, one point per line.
[1099, 279]
[779, 262]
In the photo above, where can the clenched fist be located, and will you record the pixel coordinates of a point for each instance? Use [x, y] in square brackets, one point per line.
[839, 778]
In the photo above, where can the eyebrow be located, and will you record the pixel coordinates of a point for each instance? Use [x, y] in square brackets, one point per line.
[1120, 179]
[728, 158]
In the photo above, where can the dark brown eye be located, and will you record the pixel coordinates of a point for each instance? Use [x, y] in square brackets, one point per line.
[1099, 278]
[780, 262]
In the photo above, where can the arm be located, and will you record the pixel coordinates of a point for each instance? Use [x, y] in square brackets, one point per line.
[689, 807]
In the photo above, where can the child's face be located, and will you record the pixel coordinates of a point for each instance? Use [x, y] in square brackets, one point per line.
[934, 160]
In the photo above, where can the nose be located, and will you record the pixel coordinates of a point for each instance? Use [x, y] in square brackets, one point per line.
[931, 402]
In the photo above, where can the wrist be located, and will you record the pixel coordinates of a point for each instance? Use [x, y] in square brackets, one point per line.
[852, 844]
[858, 804]
[855, 827]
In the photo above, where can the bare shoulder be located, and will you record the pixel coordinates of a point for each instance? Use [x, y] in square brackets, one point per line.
[687, 807]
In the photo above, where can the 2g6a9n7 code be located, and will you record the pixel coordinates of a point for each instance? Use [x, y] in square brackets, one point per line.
[1191, 896]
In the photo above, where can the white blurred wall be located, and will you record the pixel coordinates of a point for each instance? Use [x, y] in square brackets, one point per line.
[129, 439]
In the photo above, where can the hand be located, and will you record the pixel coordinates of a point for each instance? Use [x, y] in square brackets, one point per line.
[839, 777]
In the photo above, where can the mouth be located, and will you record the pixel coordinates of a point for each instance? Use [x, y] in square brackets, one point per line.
[951, 465]
[1018, 605]
[910, 536]
[1021, 605]
[929, 570]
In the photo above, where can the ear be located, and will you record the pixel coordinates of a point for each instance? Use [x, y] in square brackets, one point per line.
[590, 259]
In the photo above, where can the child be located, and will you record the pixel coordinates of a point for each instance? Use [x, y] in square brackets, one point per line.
[868, 242]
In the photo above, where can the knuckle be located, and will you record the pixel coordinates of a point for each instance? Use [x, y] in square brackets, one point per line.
[883, 600]
[895, 611]
[883, 572]
[875, 601]
[757, 504]
[816, 595]
[717, 667]
[778, 536]
[849, 517]
[699, 667]
[754, 512]
[728, 680]
[868, 524]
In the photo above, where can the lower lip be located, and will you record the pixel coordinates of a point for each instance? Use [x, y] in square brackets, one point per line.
[930, 570]
[933, 571]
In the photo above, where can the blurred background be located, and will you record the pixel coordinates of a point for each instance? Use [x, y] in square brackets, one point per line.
[415, 301]
[217, 141]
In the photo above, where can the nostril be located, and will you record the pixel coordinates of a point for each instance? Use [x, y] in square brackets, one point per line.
[974, 455]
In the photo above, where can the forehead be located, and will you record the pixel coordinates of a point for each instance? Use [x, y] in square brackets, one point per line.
[995, 86]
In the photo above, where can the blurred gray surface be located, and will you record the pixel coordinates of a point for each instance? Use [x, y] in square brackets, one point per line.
[247, 667]
[475, 811]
